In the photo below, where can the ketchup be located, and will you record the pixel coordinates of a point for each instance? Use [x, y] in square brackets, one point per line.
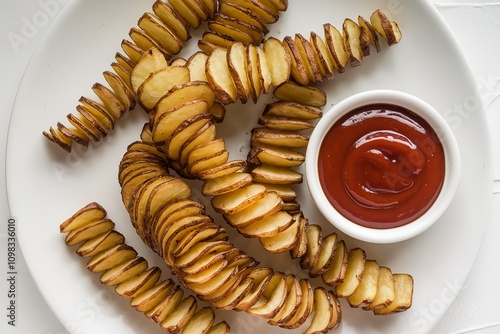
[381, 166]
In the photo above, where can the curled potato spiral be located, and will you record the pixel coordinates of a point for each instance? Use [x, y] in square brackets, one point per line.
[166, 28]
[197, 250]
[161, 300]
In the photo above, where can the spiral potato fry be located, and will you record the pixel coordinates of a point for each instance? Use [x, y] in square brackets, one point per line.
[197, 250]
[120, 266]
[166, 28]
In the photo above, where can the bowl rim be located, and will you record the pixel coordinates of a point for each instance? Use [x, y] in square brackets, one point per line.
[452, 166]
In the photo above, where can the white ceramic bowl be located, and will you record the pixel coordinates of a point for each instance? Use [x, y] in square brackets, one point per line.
[451, 156]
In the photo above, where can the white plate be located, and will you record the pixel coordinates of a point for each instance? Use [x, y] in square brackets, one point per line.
[46, 185]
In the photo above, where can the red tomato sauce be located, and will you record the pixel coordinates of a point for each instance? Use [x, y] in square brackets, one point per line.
[381, 166]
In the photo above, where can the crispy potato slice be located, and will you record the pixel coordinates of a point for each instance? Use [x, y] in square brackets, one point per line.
[207, 261]
[206, 150]
[234, 33]
[143, 41]
[176, 231]
[325, 256]
[170, 120]
[298, 68]
[198, 251]
[200, 322]
[166, 306]
[251, 30]
[89, 213]
[198, 234]
[200, 8]
[371, 33]
[132, 51]
[292, 110]
[149, 298]
[264, 71]
[190, 91]
[278, 59]
[206, 274]
[290, 91]
[336, 45]
[201, 136]
[385, 290]
[121, 91]
[218, 112]
[239, 199]
[355, 267]
[276, 175]
[268, 205]
[308, 59]
[151, 61]
[218, 170]
[184, 11]
[178, 61]
[243, 13]
[272, 298]
[196, 64]
[324, 59]
[111, 258]
[100, 243]
[336, 273]
[285, 123]
[124, 271]
[268, 226]
[159, 83]
[254, 72]
[172, 20]
[232, 299]
[219, 76]
[160, 33]
[314, 245]
[238, 67]
[353, 42]
[292, 303]
[211, 167]
[283, 241]
[367, 289]
[88, 231]
[388, 29]
[266, 14]
[109, 100]
[225, 184]
[305, 307]
[186, 130]
[322, 312]
[276, 156]
[403, 295]
[122, 72]
[138, 284]
[223, 290]
[264, 136]
[213, 284]
[300, 248]
[180, 316]
[125, 61]
[220, 328]
[99, 112]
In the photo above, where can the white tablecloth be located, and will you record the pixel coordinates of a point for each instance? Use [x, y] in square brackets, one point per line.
[475, 23]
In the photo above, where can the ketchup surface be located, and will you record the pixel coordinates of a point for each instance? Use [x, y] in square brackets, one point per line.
[381, 166]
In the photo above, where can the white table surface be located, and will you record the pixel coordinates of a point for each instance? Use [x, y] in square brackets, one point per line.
[476, 25]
